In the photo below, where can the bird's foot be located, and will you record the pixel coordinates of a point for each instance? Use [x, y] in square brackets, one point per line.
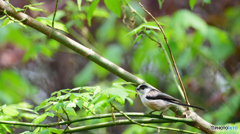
[151, 113]
[161, 115]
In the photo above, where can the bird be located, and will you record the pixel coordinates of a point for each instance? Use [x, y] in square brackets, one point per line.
[158, 101]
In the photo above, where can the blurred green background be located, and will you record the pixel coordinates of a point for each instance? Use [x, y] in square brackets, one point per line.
[204, 41]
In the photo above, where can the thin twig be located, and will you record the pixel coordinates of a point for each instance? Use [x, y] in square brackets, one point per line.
[67, 125]
[112, 110]
[55, 11]
[175, 66]
[127, 116]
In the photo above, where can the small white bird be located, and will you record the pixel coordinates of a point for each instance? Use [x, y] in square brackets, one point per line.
[158, 101]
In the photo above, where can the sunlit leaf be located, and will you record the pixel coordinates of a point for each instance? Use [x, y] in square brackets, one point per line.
[80, 104]
[160, 2]
[28, 115]
[6, 128]
[10, 111]
[3, 17]
[55, 131]
[6, 22]
[91, 10]
[38, 4]
[40, 118]
[192, 3]
[79, 2]
[207, 1]
[36, 9]
[114, 6]
[137, 39]
[100, 103]
[71, 104]
[129, 100]
[70, 111]
[118, 92]
[57, 25]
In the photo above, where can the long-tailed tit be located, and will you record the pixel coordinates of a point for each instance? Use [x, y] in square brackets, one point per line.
[158, 101]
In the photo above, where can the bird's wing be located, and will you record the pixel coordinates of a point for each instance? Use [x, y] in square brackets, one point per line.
[155, 95]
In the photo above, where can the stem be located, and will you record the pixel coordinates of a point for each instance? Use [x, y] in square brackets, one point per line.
[175, 66]
[67, 125]
[125, 122]
[165, 118]
[55, 11]
[135, 12]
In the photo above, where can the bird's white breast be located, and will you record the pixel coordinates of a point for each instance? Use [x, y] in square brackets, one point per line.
[156, 105]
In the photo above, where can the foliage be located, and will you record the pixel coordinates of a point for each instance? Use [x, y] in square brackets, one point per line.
[65, 102]
[195, 46]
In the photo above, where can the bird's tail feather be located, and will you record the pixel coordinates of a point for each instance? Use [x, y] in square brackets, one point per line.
[190, 106]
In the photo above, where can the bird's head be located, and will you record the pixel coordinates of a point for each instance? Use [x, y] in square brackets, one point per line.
[143, 89]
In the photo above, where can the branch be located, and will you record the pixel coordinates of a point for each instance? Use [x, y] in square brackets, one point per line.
[75, 46]
[124, 122]
[142, 124]
[168, 119]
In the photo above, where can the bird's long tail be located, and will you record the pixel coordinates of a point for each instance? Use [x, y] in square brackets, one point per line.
[189, 106]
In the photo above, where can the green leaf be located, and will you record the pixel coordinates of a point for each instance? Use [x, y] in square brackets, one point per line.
[160, 2]
[71, 104]
[134, 31]
[50, 114]
[70, 111]
[79, 2]
[36, 9]
[220, 42]
[195, 22]
[137, 39]
[6, 128]
[192, 3]
[55, 131]
[150, 25]
[46, 131]
[118, 92]
[91, 10]
[16, 9]
[59, 106]
[6, 22]
[207, 1]
[40, 118]
[129, 100]
[38, 4]
[3, 17]
[57, 25]
[28, 115]
[111, 99]
[80, 104]
[10, 111]
[99, 104]
[99, 12]
[119, 100]
[114, 6]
